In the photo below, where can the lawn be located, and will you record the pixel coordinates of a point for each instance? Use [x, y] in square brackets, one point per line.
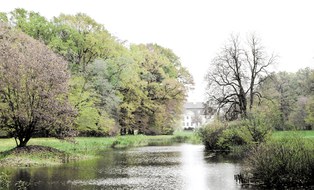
[79, 148]
[303, 134]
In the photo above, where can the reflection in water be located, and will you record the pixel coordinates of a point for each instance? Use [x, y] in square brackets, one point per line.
[184, 167]
[202, 174]
[194, 169]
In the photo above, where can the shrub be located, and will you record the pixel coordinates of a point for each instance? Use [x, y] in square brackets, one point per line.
[210, 135]
[283, 162]
[258, 126]
[226, 136]
[236, 134]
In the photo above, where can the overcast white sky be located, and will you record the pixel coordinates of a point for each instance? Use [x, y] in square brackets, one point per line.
[196, 29]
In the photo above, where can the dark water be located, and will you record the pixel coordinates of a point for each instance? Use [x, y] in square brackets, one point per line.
[158, 167]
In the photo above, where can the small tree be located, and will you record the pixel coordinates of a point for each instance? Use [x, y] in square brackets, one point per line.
[33, 88]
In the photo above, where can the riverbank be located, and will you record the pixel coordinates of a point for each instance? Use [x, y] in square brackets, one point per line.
[51, 151]
[285, 159]
[269, 158]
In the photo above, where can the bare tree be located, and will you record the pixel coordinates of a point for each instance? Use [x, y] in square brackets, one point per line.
[235, 75]
[225, 80]
[257, 62]
[33, 88]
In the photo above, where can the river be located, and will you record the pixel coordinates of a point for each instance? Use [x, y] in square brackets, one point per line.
[184, 166]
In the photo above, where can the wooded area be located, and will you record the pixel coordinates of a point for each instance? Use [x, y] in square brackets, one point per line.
[241, 84]
[111, 87]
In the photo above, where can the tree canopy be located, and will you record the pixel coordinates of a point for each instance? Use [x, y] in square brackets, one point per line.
[291, 96]
[33, 88]
[113, 87]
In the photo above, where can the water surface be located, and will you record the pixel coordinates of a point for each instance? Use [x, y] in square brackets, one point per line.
[185, 167]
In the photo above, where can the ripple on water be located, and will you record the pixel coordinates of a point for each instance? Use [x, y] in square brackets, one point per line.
[138, 178]
[183, 167]
[146, 168]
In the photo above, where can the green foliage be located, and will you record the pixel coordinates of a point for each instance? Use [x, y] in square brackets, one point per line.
[297, 117]
[226, 136]
[160, 91]
[259, 125]
[291, 96]
[31, 23]
[303, 134]
[237, 134]
[3, 17]
[187, 136]
[81, 40]
[90, 121]
[288, 161]
[138, 88]
[246, 133]
[211, 135]
[33, 88]
[104, 80]
[309, 108]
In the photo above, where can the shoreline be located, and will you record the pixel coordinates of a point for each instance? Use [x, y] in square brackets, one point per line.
[44, 152]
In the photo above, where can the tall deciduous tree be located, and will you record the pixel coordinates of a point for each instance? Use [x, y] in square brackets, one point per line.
[81, 40]
[153, 104]
[258, 62]
[31, 23]
[235, 76]
[33, 88]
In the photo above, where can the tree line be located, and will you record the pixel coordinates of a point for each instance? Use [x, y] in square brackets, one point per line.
[241, 84]
[70, 76]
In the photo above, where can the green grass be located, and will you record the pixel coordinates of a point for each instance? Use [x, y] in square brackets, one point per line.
[81, 147]
[286, 160]
[187, 136]
[303, 134]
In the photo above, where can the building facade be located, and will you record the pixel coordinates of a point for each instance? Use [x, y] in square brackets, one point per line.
[194, 115]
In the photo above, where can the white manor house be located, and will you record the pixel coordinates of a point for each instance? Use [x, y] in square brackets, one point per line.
[194, 115]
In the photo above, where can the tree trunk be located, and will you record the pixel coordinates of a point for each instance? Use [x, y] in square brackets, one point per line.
[251, 93]
[123, 131]
[242, 102]
[24, 138]
[130, 132]
[23, 142]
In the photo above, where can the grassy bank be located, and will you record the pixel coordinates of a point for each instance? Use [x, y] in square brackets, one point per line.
[286, 159]
[303, 134]
[271, 159]
[57, 151]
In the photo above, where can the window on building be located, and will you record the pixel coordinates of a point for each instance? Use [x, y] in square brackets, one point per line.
[187, 124]
[187, 117]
